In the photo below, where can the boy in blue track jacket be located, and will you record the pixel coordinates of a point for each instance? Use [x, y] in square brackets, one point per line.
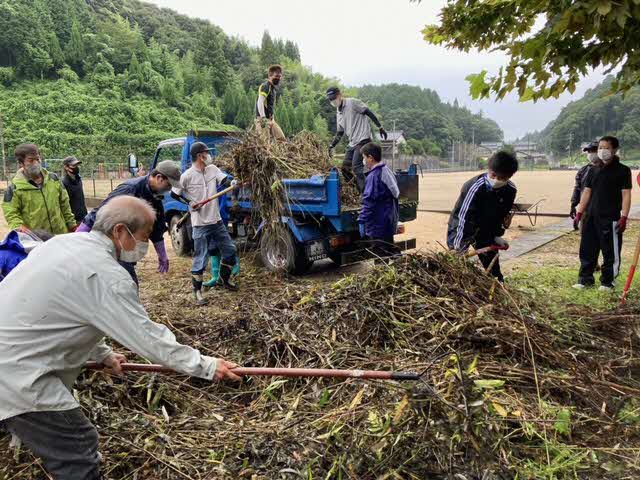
[481, 210]
[378, 220]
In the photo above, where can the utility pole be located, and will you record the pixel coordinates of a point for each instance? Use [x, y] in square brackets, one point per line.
[453, 147]
[4, 159]
[393, 149]
[571, 146]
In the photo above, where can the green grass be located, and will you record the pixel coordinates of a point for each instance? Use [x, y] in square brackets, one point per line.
[555, 285]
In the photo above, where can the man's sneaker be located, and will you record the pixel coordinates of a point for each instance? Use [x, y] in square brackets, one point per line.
[606, 288]
[199, 299]
[578, 286]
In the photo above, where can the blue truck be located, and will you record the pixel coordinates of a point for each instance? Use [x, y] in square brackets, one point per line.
[315, 225]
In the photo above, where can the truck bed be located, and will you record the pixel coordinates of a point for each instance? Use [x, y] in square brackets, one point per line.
[319, 196]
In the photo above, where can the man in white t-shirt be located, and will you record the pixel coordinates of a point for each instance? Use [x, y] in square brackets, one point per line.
[197, 184]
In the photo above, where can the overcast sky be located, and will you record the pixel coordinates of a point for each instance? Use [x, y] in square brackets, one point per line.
[376, 41]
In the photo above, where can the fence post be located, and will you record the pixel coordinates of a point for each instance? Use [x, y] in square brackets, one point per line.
[93, 178]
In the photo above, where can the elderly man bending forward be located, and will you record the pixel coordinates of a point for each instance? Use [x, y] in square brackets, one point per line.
[55, 314]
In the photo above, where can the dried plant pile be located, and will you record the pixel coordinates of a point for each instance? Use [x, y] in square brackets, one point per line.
[263, 164]
[508, 389]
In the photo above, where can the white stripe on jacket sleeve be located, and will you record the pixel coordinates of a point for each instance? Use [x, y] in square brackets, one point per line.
[463, 212]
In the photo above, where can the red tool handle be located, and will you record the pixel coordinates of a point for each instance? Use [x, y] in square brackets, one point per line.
[627, 287]
[277, 372]
[217, 195]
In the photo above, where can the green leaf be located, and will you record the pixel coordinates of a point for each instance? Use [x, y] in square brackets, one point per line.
[324, 398]
[477, 84]
[604, 8]
[529, 94]
[563, 422]
[488, 384]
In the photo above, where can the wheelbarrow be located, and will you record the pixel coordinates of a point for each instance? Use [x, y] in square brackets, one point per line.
[530, 210]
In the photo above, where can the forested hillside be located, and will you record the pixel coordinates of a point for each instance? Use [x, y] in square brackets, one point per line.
[596, 114]
[429, 123]
[99, 78]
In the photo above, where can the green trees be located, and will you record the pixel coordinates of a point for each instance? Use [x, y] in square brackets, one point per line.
[209, 53]
[76, 118]
[596, 114]
[423, 117]
[55, 51]
[275, 51]
[153, 72]
[74, 50]
[268, 53]
[549, 45]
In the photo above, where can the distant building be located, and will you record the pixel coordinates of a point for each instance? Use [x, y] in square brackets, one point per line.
[519, 147]
[391, 146]
[526, 151]
[395, 136]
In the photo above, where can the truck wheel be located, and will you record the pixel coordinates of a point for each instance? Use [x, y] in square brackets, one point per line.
[180, 236]
[279, 251]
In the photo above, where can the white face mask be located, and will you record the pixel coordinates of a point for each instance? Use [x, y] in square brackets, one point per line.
[33, 170]
[495, 183]
[335, 103]
[208, 159]
[133, 256]
[604, 154]
[592, 156]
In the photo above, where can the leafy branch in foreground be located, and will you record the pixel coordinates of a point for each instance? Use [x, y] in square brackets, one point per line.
[550, 44]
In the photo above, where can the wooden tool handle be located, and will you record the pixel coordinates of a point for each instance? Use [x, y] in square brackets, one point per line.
[277, 372]
[203, 203]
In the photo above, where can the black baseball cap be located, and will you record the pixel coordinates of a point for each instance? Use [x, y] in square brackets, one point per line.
[198, 147]
[332, 93]
[71, 161]
[591, 147]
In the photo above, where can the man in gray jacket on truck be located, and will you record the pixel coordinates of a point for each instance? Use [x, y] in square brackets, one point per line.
[57, 307]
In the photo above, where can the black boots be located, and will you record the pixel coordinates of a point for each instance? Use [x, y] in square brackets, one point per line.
[225, 277]
[196, 281]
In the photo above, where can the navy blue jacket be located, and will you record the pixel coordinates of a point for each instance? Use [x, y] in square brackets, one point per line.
[11, 253]
[14, 249]
[139, 188]
[479, 213]
[380, 203]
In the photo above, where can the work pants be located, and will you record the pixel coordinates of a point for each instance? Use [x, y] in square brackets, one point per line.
[487, 258]
[207, 241]
[353, 165]
[600, 235]
[66, 441]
